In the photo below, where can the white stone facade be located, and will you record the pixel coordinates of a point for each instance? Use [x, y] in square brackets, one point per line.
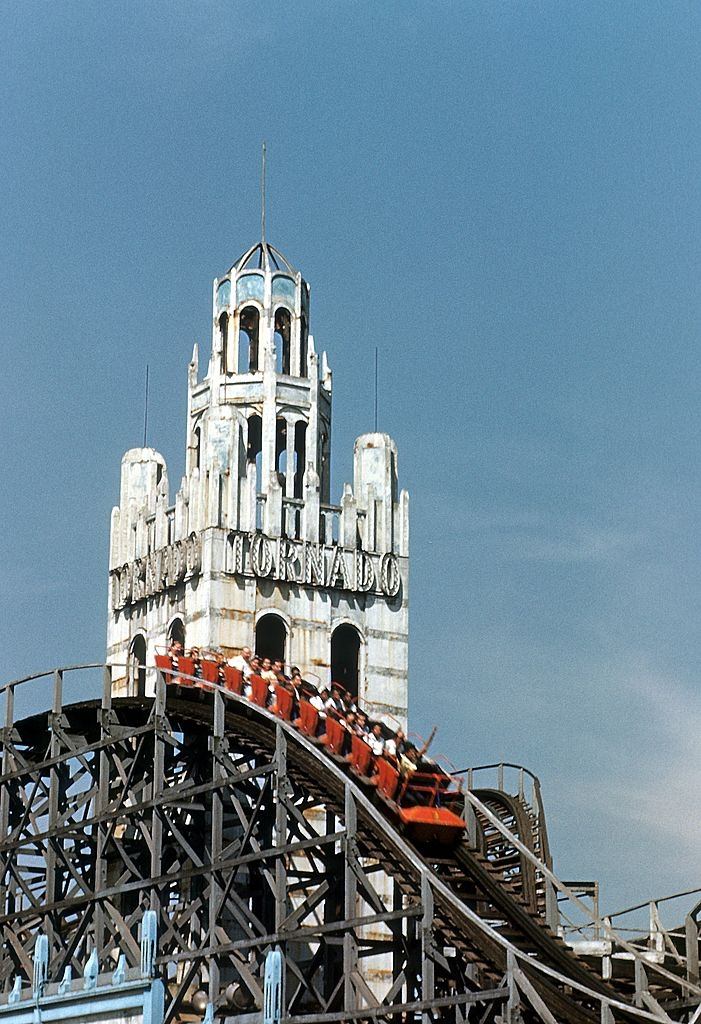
[252, 532]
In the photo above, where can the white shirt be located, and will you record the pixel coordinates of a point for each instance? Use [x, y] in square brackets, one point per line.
[241, 664]
[376, 744]
[317, 702]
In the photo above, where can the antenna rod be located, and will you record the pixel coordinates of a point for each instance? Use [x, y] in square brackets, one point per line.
[262, 198]
[375, 388]
[146, 407]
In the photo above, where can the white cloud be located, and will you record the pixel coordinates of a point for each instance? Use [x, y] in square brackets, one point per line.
[658, 793]
[571, 543]
[527, 535]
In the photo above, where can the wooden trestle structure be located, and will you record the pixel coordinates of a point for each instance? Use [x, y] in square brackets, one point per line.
[243, 836]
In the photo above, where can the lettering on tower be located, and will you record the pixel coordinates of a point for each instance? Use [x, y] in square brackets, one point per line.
[156, 572]
[253, 555]
[326, 566]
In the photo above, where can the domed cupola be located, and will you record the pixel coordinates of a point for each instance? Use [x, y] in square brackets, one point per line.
[261, 315]
[263, 256]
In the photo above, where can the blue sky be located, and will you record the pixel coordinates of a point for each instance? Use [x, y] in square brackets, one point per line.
[505, 198]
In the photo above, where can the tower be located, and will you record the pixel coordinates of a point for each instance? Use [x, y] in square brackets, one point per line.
[252, 552]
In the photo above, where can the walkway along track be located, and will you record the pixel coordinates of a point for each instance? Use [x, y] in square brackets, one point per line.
[145, 773]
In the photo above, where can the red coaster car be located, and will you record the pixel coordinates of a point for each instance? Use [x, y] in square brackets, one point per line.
[233, 679]
[335, 736]
[361, 756]
[259, 690]
[164, 663]
[387, 778]
[284, 701]
[308, 721]
[187, 666]
[424, 808]
[210, 670]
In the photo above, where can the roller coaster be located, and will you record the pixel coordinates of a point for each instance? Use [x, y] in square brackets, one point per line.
[244, 835]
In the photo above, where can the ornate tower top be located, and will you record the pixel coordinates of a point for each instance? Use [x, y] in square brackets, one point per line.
[264, 364]
[252, 552]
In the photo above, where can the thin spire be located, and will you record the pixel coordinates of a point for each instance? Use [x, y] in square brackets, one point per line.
[146, 407]
[262, 198]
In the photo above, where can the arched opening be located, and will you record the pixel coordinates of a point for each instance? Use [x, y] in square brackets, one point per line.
[249, 324]
[300, 456]
[254, 447]
[271, 637]
[283, 326]
[176, 632]
[224, 338]
[303, 347]
[324, 481]
[137, 665]
[281, 450]
[345, 657]
[197, 445]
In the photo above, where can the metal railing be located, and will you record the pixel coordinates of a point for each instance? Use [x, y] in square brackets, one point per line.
[515, 779]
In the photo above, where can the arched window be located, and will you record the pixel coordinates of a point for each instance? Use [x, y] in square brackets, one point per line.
[176, 632]
[254, 448]
[300, 456]
[324, 452]
[249, 325]
[271, 637]
[281, 450]
[137, 665]
[197, 445]
[303, 347]
[345, 657]
[224, 336]
[223, 294]
[282, 341]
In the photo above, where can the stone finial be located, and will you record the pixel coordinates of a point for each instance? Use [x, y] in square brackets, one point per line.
[120, 971]
[16, 991]
[272, 520]
[92, 969]
[349, 519]
[149, 941]
[273, 987]
[326, 375]
[66, 981]
[310, 511]
[41, 965]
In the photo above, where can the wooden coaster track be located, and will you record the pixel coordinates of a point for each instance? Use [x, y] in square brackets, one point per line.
[245, 836]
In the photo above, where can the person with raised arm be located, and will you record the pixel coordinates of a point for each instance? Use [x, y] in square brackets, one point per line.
[396, 745]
